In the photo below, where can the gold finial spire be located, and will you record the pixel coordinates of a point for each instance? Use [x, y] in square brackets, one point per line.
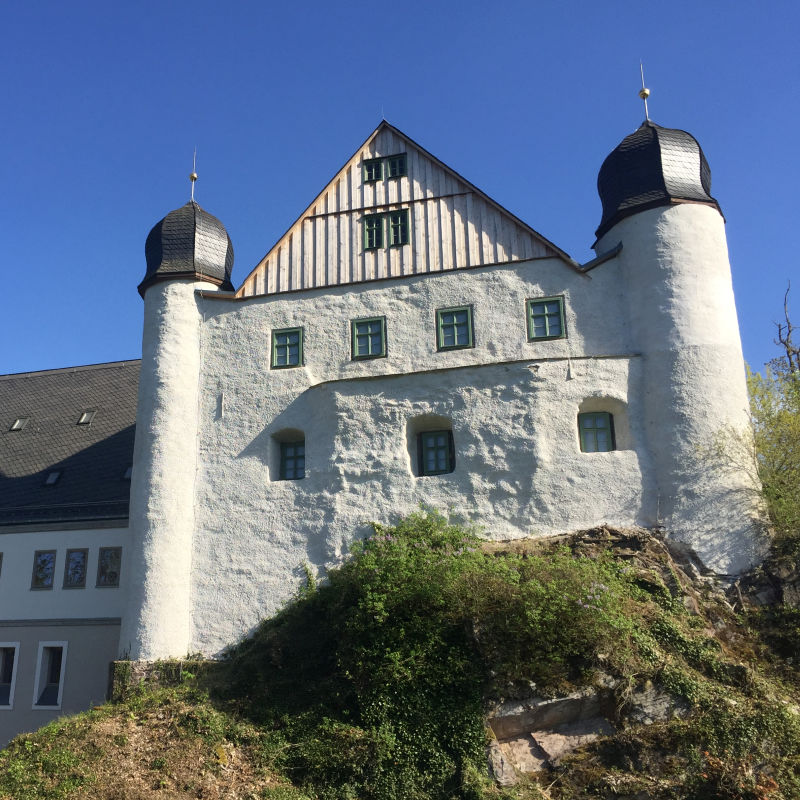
[193, 176]
[644, 93]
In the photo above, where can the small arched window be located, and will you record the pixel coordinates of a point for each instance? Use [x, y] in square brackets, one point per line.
[596, 432]
[431, 447]
[293, 460]
[436, 452]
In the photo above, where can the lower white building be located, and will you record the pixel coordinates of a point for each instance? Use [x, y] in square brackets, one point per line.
[408, 341]
[65, 457]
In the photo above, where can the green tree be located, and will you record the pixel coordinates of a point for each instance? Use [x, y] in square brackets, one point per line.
[775, 412]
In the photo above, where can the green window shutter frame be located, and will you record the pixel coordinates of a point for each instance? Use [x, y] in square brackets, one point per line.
[596, 432]
[454, 328]
[436, 453]
[287, 348]
[373, 231]
[373, 170]
[545, 317]
[397, 165]
[368, 338]
[398, 227]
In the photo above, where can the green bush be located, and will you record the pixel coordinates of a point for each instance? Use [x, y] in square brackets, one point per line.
[377, 679]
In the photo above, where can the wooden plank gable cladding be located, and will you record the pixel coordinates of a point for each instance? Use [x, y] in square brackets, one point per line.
[451, 225]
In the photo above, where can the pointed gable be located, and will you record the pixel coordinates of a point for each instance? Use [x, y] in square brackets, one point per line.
[393, 210]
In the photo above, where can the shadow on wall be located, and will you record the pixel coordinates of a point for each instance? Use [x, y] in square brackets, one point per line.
[430, 445]
[94, 482]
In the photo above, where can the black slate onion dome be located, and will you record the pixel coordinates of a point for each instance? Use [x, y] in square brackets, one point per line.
[652, 167]
[188, 243]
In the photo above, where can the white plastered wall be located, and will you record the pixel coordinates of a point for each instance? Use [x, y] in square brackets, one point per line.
[158, 619]
[513, 405]
[19, 602]
[681, 311]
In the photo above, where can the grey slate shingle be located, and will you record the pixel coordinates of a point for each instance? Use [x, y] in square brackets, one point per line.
[654, 166]
[188, 241]
[93, 458]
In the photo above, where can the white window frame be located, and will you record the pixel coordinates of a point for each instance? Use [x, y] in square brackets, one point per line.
[14, 671]
[37, 687]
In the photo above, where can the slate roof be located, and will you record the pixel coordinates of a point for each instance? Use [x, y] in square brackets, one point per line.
[652, 167]
[92, 457]
[188, 242]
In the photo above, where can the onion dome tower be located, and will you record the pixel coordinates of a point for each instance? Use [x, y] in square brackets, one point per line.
[188, 243]
[675, 278]
[187, 252]
[652, 167]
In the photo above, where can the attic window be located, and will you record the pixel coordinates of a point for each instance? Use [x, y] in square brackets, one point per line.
[397, 166]
[19, 423]
[52, 477]
[86, 417]
[373, 170]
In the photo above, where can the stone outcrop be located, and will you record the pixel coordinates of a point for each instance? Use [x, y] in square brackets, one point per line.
[536, 733]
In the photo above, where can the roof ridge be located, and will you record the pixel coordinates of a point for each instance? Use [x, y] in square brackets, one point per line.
[384, 124]
[79, 368]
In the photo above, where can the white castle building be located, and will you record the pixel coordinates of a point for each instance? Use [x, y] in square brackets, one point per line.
[408, 341]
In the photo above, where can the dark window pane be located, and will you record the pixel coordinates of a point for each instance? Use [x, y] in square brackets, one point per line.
[108, 566]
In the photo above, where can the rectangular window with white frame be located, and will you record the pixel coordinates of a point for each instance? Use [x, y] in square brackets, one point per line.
[51, 663]
[9, 655]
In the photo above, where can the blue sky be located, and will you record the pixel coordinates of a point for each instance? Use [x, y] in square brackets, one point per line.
[103, 104]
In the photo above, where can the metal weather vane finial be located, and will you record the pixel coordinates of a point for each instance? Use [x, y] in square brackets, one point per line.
[644, 93]
[193, 176]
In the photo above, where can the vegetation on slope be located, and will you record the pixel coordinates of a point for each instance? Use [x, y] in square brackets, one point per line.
[375, 684]
[775, 411]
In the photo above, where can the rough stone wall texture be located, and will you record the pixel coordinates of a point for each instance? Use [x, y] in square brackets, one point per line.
[651, 338]
[157, 622]
[512, 404]
[682, 316]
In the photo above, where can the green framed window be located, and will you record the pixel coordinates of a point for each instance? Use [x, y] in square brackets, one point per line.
[373, 170]
[546, 318]
[454, 328]
[293, 460]
[287, 348]
[373, 231]
[436, 453]
[397, 166]
[369, 337]
[596, 431]
[398, 227]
